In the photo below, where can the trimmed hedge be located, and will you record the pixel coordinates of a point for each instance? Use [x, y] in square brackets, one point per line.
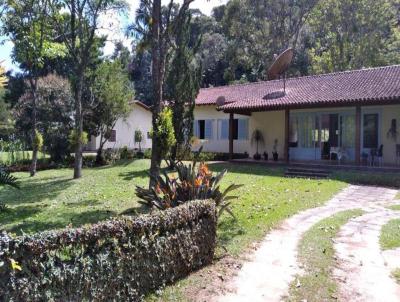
[215, 156]
[117, 260]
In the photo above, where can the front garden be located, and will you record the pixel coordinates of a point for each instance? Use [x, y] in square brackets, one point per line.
[53, 201]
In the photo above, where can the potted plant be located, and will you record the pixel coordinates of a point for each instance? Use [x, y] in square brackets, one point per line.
[258, 138]
[138, 140]
[392, 132]
[265, 155]
[275, 150]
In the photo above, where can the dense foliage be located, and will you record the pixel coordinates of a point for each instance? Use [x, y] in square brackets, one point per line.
[112, 91]
[108, 261]
[193, 182]
[53, 114]
[239, 39]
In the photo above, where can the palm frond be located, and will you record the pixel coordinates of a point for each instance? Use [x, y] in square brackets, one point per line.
[7, 179]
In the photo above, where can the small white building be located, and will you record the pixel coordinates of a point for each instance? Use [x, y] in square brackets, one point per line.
[123, 133]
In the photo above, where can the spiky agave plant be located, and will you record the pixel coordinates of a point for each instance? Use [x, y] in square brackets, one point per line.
[193, 182]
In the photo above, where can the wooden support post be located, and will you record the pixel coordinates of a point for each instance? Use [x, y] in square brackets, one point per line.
[358, 136]
[286, 146]
[230, 136]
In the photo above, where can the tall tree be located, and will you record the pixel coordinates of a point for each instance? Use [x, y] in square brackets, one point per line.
[54, 111]
[77, 22]
[159, 31]
[27, 24]
[112, 92]
[183, 84]
[352, 34]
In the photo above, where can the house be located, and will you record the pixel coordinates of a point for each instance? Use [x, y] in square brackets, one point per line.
[123, 133]
[344, 115]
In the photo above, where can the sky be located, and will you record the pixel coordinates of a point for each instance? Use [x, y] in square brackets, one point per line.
[117, 25]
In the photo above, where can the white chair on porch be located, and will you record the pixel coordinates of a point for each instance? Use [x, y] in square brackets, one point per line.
[340, 153]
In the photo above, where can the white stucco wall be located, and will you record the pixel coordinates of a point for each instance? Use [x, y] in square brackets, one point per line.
[271, 124]
[138, 119]
[216, 144]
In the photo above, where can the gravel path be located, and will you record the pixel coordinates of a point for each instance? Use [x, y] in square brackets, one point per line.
[363, 273]
[273, 266]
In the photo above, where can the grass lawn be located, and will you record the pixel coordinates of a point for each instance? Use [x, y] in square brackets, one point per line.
[396, 207]
[54, 200]
[316, 256]
[390, 235]
[6, 157]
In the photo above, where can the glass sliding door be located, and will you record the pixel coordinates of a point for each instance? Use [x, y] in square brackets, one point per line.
[371, 131]
[347, 134]
[304, 136]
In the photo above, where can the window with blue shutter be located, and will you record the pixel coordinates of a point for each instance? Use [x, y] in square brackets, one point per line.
[208, 129]
[224, 129]
[243, 129]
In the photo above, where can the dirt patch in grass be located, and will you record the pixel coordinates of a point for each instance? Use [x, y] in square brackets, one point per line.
[316, 258]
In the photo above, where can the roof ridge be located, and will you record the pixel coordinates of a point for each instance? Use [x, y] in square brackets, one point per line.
[305, 77]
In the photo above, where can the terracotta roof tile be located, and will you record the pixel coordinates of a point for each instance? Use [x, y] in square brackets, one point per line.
[377, 85]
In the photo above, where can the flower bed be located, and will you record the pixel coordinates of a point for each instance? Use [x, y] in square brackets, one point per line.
[121, 259]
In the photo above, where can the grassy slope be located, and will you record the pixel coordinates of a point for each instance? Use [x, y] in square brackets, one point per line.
[316, 255]
[390, 235]
[54, 200]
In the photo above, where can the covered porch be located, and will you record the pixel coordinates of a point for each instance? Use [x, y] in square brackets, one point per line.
[346, 136]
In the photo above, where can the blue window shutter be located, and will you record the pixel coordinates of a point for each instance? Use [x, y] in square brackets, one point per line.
[208, 131]
[224, 129]
[196, 128]
[243, 129]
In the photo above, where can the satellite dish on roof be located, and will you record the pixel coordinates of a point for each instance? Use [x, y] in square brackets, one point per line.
[220, 101]
[280, 65]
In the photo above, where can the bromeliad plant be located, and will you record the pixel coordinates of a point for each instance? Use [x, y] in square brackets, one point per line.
[193, 182]
[7, 179]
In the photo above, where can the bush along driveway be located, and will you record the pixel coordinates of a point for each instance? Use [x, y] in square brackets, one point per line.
[275, 264]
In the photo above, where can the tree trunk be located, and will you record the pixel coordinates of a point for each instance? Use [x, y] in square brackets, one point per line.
[99, 155]
[157, 77]
[78, 127]
[34, 125]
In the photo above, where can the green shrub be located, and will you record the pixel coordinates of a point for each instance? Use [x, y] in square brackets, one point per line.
[165, 132]
[125, 153]
[7, 179]
[214, 156]
[194, 182]
[147, 153]
[110, 156]
[74, 138]
[117, 260]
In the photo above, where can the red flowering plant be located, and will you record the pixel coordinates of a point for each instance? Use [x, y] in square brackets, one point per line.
[193, 182]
